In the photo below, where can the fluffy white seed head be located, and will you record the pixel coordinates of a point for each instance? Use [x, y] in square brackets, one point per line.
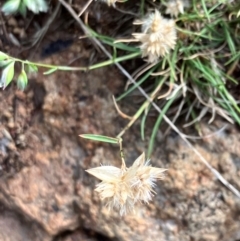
[175, 7]
[122, 188]
[112, 2]
[158, 36]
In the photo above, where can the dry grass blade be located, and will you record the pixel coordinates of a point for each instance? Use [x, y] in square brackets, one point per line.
[211, 102]
[161, 72]
[119, 111]
[168, 92]
[190, 108]
[176, 116]
[85, 8]
[198, 118]
[139, 72]
[209, 135]
[219, 110]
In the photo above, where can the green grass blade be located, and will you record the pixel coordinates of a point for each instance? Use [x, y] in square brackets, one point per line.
[145, 77]
[229, 38]
[157, 124]
[143, 122]
[205, 10]
[100, 138]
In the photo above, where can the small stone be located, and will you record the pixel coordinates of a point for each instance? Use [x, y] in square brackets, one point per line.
[11, 124]
[6, 134]
[21, 141]
[11, 146]
[12, 22]
[20, 94]
[7, 114]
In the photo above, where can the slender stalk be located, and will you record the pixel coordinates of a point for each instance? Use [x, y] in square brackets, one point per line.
[69, 68]
[122, 154]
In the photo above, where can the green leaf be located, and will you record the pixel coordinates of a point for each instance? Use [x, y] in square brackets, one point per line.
[101, 138]
[31, 68]
[3, 56]
[22, 80]
[11, 6]
[42, 6]
[22, 9]
[7, 75]
[6, 62]
[36, 6]
[50, 71]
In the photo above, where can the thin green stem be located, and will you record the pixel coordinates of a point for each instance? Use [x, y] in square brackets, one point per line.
[113, 61]
[69, 68]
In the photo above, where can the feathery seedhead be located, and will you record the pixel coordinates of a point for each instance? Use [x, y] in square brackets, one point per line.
[175, 7]
[124, 187]
[112, 2]
[158, 36]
